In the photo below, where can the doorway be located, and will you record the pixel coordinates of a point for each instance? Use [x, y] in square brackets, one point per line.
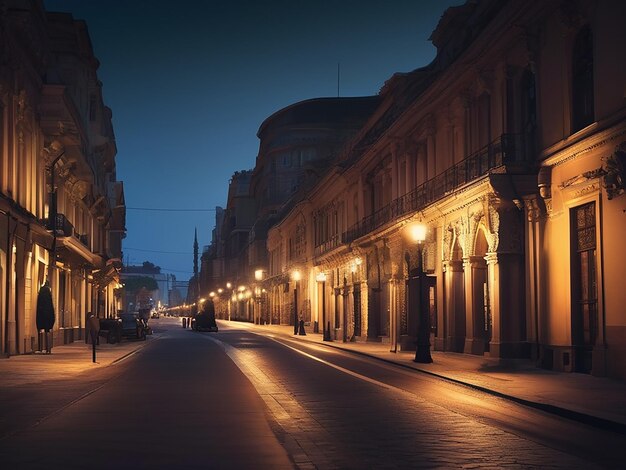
[584, 285]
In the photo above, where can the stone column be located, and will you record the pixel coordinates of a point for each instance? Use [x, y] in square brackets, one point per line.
[474, 274]
[506, 301]
[394, 172]
[431, 149]
[455, 306]
[394, 323]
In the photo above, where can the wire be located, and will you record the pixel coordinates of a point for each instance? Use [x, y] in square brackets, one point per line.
[176, 271]
[167, 210]
[157, 251]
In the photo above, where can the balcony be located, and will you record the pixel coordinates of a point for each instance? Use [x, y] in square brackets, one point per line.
[506, 151]
[331, 243]
[61, 226]
[84, 239]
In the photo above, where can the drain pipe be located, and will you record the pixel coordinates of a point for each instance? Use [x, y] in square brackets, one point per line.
[9, 275]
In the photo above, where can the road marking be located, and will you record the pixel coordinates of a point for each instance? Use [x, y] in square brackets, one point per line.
[384, 385]
[301, 432]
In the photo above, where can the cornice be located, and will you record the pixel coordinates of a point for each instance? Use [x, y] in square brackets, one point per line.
[564, 151]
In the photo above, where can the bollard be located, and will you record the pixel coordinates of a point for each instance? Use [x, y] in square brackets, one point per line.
[301, 331]
[93, 348]
[327, 336]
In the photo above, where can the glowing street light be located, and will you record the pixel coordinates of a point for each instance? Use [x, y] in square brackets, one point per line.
[258, 276]
[231, 299]
[295, 275]
[417, 232]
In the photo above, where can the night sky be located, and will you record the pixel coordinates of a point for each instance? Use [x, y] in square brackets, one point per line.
[190, 82]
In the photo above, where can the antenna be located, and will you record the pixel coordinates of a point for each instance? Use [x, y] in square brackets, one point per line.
[338, 69]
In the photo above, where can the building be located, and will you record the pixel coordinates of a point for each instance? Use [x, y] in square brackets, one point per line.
[296, 145]
[509, 148]
[62, 209]
[158, 296]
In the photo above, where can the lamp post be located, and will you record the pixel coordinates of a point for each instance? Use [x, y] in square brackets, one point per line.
[422, 352]
[321, 278]
[295, 275]
[229, 286]
[258, 277]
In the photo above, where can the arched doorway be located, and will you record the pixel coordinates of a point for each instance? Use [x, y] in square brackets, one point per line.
[455, 299]
[477, 295]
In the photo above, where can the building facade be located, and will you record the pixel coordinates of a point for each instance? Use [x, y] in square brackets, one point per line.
[509, 147]
[62, 209]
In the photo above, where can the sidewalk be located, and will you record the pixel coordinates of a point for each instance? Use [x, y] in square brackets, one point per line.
[65, 362]
[592, 400]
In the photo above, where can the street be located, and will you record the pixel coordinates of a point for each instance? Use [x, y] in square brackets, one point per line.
[236, 399]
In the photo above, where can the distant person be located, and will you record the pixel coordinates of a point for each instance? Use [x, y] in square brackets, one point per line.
[45, 314]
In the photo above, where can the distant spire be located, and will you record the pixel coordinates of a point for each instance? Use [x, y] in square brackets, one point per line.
[195, 253]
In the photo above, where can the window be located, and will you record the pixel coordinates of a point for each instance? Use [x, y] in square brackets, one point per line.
[529, 112]
[92, 107]
[582, 80]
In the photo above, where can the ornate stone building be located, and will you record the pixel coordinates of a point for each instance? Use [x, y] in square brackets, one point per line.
[62, 210]
[509, 147]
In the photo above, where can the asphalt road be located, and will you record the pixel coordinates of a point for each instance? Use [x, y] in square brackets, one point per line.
[348, 411]
[235, 399]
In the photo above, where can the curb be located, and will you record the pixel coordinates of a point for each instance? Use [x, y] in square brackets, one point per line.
[584, 418]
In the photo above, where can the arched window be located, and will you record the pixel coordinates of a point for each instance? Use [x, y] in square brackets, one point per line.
[529, 112]
[582, 80]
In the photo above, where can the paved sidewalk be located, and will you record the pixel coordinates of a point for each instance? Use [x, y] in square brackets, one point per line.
[596, 401]
[66, 361]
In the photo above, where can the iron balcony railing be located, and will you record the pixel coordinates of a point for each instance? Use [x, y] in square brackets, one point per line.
[506, 150]
[83, 238]
[60, 225]
[333, 242]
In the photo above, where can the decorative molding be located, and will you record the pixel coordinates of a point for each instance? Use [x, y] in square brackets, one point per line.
[493, 223]
[533, 211]
[594, 141]
[614, 168]
[583, 177]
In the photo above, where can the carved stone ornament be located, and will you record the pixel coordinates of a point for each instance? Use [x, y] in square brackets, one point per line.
[493, 238]
[21, 106]
[614, 168]
[474, 222]
[461, 232]
[446, 242]
[533, 211]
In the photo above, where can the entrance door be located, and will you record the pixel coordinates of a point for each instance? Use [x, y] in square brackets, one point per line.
[584, 286]
[357, 309]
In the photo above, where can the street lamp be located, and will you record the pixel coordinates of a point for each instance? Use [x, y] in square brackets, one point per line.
[295, 275]
[229, 286]
[258, 276]
[422, 353]
[321, 278]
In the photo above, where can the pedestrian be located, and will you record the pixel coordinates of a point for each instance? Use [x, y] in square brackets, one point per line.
[45, 314]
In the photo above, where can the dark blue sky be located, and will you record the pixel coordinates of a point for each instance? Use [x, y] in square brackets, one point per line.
[190, 82]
